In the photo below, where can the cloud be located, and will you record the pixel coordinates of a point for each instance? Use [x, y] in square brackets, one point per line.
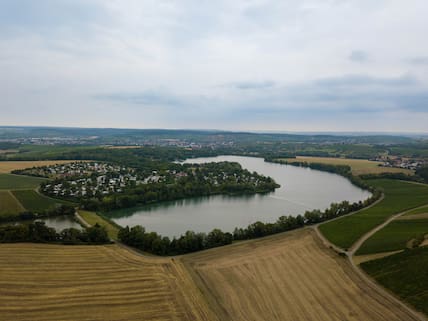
[418, 60]
[252, 84]
[359, 56]
[276, 65]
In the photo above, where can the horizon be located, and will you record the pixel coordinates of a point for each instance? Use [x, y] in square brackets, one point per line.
[309, 133]
[294, 66]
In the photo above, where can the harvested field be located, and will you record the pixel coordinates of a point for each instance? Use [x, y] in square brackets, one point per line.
[286, 277]
[54, 282]
[8, 166]
[358, 166]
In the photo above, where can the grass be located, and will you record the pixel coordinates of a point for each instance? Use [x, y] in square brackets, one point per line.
[9, 205]
[10, 181]
[399, 196]
[394, 236]
[358, 166]
[92, 218]
[405, 274]
[35, 202]
[8, 166]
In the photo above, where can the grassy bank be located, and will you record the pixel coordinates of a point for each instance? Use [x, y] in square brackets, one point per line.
[93, 218]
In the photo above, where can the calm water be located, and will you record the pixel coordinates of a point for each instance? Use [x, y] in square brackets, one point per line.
[57, 222]
[61, 222]
[301, 189]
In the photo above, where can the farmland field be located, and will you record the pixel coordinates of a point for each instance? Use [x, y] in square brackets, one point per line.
[8, 166]
[394, 236]
[290, 276]
[54, 282]
[286, 277]
[10, 181]
[358, 166]
[399, 196]
[33, 201]
[405, 274]
[8, 204]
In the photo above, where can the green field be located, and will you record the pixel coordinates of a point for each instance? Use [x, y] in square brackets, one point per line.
[35, 202]
[10, 181]
[92, 218]
[399, 196]
[405, 274]
[8, 204]
[394, 236]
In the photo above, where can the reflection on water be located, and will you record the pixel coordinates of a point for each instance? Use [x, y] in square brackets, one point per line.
[301, 189]
[61, 222]
[57, 222]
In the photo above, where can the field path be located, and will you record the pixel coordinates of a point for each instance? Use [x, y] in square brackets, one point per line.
[354, 248]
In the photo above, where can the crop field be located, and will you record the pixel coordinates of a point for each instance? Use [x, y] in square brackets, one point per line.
[405, 274]
[358, 166]
[291, 276]
[8, 166]
[54, 282]
[92, 218]
[10, 181]
[394, 236]
[33, 201]
[8, 204]
[399, 196]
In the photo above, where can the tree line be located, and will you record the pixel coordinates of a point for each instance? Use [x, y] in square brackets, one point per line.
[38, 232]
[29, 215]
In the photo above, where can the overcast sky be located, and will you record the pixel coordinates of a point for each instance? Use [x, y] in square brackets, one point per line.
[292, 65]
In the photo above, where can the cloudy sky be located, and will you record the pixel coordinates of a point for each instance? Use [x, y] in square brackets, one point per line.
[291, 65]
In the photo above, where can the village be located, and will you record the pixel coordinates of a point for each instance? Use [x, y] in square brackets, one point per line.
[98, 179]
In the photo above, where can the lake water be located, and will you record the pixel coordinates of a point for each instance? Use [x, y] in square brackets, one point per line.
[301, 189]
[57, 222]
[61, 222]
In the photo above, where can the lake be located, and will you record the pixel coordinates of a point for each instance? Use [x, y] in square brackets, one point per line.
[301, 189]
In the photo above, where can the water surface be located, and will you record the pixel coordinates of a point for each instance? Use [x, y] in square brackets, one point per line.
[301, 189]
